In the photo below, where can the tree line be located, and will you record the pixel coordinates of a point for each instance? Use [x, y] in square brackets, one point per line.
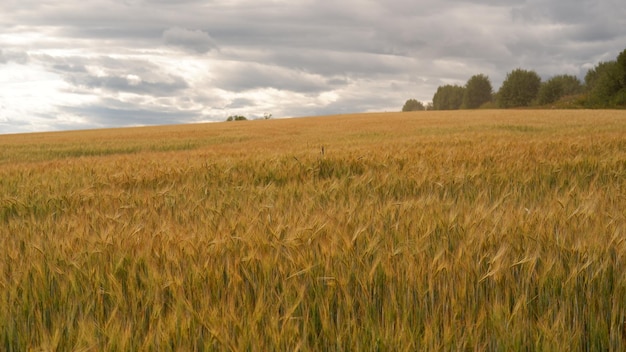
[604, 87]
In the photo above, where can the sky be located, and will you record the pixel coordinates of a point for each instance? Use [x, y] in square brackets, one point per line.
[69, 64]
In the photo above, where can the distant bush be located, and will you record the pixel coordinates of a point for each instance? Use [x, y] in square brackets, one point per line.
[489, 105]
[413, 105]
[236, 118]
[558, 87]
[576, 101]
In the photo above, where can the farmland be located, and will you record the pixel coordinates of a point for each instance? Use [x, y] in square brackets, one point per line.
[476, 230]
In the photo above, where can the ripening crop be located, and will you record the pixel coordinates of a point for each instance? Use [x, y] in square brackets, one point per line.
[468, 230]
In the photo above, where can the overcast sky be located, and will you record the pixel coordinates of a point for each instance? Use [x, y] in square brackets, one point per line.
[68, 64]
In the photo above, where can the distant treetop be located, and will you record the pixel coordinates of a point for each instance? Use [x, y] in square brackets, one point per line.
[519, 88]
[478, 91]
[448, 97]
[604, 87]
[236, 118]
[413, 105]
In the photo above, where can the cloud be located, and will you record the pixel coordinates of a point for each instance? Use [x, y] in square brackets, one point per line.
[239, 103]
[108, 62]
[243, 76]
[130, 83]
[102, 116]
[124, 111]
[194, 40]
[7, 56]
[116, 75]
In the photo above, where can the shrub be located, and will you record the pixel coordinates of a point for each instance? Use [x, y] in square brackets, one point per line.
[236, 118]
[558, 87]
[413, 105]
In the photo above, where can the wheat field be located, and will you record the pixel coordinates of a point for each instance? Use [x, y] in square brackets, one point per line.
[470, 230]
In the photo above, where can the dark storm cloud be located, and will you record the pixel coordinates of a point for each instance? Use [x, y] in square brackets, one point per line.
[191, 59]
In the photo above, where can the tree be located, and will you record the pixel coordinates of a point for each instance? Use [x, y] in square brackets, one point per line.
[606, 83]
[621, 62]
[602, 83]
[448, 97]
[519, 88]
[619, 99]
[236, 118]
[593, 75]
[477, 92]
[557, 87]
[413, 105]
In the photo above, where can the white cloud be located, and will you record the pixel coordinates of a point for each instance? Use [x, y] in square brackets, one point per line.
[133, 80]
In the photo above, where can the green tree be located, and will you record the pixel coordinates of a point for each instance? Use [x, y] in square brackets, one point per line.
[619, 99]
[557, 87]
[593, 75]
[413, 105]
[448, 97]
[477, 92]
[236, 118]
[606, 83]
[519, 88]
[602, 83]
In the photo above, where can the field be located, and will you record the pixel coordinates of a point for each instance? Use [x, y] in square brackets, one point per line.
[468, 230]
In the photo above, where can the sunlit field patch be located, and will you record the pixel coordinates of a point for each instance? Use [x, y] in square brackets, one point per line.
[467, 230]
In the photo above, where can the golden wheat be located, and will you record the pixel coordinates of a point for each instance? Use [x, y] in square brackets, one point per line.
[472, 230]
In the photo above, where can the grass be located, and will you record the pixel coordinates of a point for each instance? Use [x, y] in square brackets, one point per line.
[470, 230]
